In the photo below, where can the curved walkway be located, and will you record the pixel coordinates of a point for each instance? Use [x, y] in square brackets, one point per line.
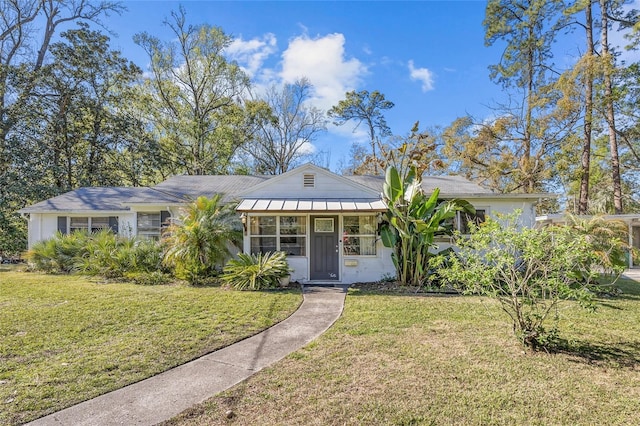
[161, 397]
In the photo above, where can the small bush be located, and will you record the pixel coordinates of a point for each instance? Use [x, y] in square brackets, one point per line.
[529, 271]
[101, 254]
[256, 272]
[59, 254]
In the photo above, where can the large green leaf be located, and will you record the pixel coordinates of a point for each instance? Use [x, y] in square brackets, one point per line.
[392, 186]
[389, 236]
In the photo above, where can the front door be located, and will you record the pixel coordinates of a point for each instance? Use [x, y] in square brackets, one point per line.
[324, 248]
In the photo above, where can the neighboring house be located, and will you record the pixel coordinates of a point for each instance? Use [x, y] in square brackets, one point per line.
[631, 220]
[328, 224]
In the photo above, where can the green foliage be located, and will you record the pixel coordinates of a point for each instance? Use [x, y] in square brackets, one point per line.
[198, 242]
[413, 221]
[194, 99]
[364, 107]
[111, 256]
[608, 240]
[101, 254]
[256, 272]
[529, 271]
[59, 254]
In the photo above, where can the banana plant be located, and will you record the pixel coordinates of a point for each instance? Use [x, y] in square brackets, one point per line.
[413, 220]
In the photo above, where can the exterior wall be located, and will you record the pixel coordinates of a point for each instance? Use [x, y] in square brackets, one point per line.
[368, 268]
[372, 268]
[43, 226]
[353, 268]
[327, 185]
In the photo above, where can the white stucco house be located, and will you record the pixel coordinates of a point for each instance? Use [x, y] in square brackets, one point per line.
[327, 223]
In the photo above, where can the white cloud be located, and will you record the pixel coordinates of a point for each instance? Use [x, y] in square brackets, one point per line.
[424, 75]
[307, 148]
[323, 61]
[251, 54]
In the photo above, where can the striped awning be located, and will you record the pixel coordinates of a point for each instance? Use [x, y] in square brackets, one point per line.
[312, 205]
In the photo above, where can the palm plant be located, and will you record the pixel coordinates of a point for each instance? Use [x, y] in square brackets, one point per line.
[256, 272]
[609, 240]
[198, 242]
[58, 254]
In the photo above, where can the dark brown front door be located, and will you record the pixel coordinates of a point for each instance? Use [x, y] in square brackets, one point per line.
[324, 248]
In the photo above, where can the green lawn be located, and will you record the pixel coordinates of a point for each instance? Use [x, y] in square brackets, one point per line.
[413, 360]
[64, 339]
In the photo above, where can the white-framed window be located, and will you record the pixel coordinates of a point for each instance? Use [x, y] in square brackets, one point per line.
[463, 219]
[99, 223]
[359, 235]
[70, 224]
[292, 235]
[148, 225]
[278, 233]
[78, 224]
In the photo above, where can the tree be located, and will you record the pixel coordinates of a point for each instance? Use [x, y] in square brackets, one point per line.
[198, 241]
[284, 141]
[585, 69]
[368, 108]
[528, 271]
[22, 63]
[529, 128]
[81, 134]
[194, 99]
[608, 69]
[413, 219]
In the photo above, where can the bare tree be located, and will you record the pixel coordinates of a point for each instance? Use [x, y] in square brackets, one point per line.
[285, 141]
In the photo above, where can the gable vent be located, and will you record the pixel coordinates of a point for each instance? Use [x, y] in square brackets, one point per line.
[309, 181]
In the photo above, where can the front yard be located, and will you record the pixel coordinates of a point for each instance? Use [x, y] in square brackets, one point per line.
[414, 360]
[65, 339]
[390, 359]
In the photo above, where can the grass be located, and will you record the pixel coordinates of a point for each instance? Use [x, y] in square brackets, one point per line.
[425, 360]
[64, 339]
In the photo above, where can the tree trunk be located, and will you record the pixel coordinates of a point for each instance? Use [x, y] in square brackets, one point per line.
[609, 111]
[583, 203]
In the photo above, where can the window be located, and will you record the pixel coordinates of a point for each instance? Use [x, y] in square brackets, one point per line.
[278, 233]
[69, 224]
[149, 225]
[293, 231]
[99, 223]
[464, 219]
[263, 234]
[78, 224]
[359, 235]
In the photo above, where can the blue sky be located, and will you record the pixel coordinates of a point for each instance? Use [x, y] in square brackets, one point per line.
[428, 57]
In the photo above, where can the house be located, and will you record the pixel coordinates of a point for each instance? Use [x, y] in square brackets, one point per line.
[327, 224]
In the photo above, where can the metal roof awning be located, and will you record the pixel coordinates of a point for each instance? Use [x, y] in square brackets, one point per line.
[312, 205]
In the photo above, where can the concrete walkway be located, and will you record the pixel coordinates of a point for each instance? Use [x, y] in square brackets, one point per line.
[633, 274]
[163, 396]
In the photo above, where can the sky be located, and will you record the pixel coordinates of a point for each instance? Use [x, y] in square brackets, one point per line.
[427, 57]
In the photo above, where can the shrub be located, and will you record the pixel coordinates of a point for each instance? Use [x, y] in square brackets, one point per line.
[256, 272]
[103, 253]
[148, 278]
[529, 271]
[608, 239]
[59, 254]
[113, 256]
